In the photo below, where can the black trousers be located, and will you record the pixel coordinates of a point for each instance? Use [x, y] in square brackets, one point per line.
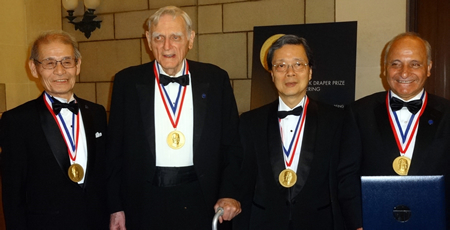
[178, 207]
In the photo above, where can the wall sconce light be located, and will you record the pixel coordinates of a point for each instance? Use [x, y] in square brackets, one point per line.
[87, 25]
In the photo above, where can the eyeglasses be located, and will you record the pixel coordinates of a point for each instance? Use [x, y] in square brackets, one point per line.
[50, 63]
[399, 65]
[297, 67]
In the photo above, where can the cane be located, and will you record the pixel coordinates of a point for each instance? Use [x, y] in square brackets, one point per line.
[219, 213]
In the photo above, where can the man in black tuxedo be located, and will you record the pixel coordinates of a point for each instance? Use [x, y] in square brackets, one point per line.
[289, 145]
[53, 147]
[381, 129]
[174, 141]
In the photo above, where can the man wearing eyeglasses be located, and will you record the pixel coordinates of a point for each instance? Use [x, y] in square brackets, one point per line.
[288, 149]
[402, 131]
[53, 147]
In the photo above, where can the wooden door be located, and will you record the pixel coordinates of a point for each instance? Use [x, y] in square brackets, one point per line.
[431, 19]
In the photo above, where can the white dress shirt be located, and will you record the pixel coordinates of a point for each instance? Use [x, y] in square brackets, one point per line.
[287, 130]
[81, 150]
[166, 156]
[404, 117]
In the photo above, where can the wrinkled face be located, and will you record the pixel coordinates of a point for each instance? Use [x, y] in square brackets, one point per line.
[58, 82]
[291, 85]
[406, 67]
[169, 42]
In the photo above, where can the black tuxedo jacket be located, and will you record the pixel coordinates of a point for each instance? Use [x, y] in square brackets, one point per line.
[369, 147]
[309, 204]
[131, 143]
[37, 191]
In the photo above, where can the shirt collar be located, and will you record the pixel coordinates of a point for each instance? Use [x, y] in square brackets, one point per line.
[63, 100]
[283, 107]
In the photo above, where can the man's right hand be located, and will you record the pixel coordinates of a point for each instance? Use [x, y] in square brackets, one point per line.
[117, 221]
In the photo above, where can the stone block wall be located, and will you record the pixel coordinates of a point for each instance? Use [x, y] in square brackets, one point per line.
[224, 37]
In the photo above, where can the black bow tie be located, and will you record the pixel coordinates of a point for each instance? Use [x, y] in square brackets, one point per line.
[183, 80]
[57, 106]
[413, 106]
[297, 112]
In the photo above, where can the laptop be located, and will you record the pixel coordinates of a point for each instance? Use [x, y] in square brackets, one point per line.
[403, 202]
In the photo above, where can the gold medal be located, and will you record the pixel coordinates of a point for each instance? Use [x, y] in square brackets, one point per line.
[401, 165]
[287, 178]
[76, 173]
[175, 139]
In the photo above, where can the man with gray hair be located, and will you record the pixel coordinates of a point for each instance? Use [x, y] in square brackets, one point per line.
[174, 141]
[53, 147]
[402, 131]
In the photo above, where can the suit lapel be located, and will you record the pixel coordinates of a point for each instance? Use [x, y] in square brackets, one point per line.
[200, 87]
[307, 151]
[146, 97]
[53, 135]
[308, 144]
[275, 145]
[389, 150]
[428, 124]
[88, 123]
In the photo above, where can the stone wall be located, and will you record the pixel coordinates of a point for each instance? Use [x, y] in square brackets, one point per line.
[223, 37]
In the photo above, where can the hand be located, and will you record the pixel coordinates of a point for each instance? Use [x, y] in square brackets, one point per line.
[117, 221]
[231, 208]
[359, 228]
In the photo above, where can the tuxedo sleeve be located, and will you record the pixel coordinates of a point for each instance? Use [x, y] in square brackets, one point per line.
[115, 146]
[14, 160]
[348, 173]
[230, 144]
[247, 173]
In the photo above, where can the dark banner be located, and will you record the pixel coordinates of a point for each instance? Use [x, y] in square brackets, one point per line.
[334, 51]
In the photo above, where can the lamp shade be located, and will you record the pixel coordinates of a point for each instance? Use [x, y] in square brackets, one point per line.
[91, 4]
[70, 4]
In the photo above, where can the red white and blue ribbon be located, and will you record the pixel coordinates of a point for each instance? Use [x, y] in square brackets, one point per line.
[290, 152]
[70, 136]
[176, 107]
[404, 138]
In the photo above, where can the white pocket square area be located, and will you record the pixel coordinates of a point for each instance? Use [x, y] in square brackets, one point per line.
[98, 134]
